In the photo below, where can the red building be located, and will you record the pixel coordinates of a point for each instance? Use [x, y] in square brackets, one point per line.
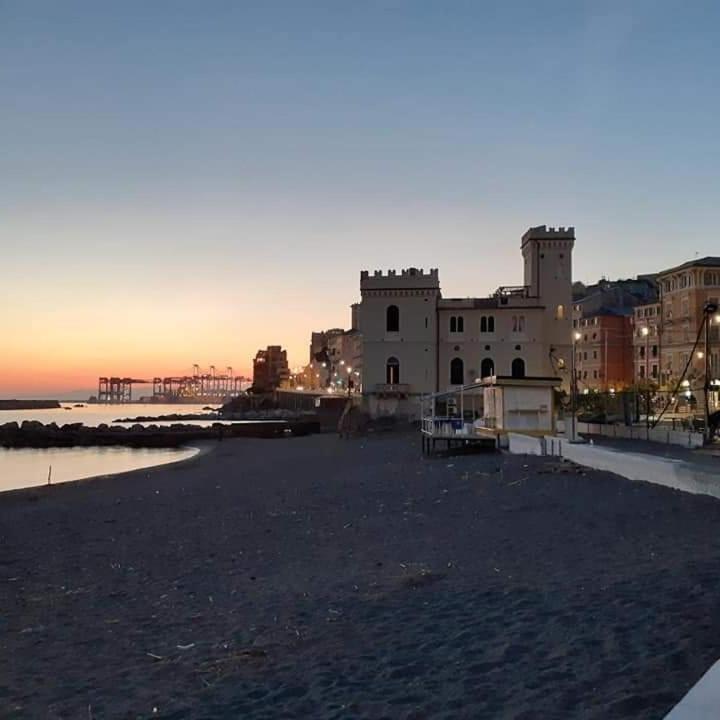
[603, 351]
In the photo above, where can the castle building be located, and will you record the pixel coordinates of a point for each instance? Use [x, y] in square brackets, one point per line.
[416, 342]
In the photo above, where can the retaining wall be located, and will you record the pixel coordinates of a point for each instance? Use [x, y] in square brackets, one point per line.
[661, 435]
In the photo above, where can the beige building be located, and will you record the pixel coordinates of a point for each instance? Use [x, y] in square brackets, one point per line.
[684, 290]
[416, 342]
[665, 332]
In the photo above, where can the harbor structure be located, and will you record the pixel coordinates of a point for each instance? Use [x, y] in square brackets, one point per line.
[415, 342]
[202, 386]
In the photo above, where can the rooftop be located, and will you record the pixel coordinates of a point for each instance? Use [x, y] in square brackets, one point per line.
[711, 261]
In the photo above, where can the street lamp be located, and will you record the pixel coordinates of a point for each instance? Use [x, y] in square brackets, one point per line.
[711, 313]
[645, 332]
[573, 386]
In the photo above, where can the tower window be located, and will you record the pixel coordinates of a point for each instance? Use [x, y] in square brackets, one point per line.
[392, 319]
[560, 312]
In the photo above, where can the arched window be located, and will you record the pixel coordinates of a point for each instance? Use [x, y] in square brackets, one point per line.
[393, 319]
[392, 371]
[483, 324]
[457, 324]
[491, 323]
[518, 368]
[487, 368]
[457, 372]
[560, 312]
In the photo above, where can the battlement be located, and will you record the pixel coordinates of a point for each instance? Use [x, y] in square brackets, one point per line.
[543, 232]
[407, 279]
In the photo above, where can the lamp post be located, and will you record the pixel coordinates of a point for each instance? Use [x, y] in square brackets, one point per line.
[645, 332]
[573, 386]
[711, 313]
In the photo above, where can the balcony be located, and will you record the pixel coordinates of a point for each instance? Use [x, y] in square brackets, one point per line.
[392, 389]
[522, 291]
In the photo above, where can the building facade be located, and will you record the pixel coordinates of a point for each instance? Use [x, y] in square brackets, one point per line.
[684, 291]
[270, 369]
[416, 342]
[646, 345]
[603, 351]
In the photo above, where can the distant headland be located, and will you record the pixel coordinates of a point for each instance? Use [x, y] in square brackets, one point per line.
[29, 404]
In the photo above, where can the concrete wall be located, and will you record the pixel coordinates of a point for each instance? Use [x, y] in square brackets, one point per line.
[637, 466]
[659, 435]
[703, 700]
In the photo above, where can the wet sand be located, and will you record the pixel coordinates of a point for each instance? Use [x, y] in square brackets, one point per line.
[320, 578]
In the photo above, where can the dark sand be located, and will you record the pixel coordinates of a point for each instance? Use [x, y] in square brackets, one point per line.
[320, 578]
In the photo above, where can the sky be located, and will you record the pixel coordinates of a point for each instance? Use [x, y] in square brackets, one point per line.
[186, 182]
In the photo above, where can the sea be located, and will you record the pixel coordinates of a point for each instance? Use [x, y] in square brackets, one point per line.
[29, 467]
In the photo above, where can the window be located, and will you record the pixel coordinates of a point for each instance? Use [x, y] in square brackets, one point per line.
[594, 354]
[594, 374]
[487, 368]
[642, 351]
[518, 323]
[487, 324]
[584, 356]
[560, 312]
[457, 371]
[518, 368]
[457, 324]
[642, 371]
[654, 351]
[392, 318]
[392, 371]
[654, 371]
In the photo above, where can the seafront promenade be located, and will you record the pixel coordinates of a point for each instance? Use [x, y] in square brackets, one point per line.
[326, 578]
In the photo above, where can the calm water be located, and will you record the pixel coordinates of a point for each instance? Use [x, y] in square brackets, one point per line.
[27, 467]
[93, 415]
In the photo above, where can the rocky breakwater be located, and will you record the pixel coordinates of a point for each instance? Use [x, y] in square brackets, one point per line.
[35, 434]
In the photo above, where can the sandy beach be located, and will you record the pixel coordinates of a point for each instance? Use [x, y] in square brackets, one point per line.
[325, 578]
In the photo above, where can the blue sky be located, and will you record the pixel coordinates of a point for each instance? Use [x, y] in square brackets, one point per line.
[248, 159]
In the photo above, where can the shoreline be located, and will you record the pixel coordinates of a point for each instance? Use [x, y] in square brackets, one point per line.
[202, 448]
